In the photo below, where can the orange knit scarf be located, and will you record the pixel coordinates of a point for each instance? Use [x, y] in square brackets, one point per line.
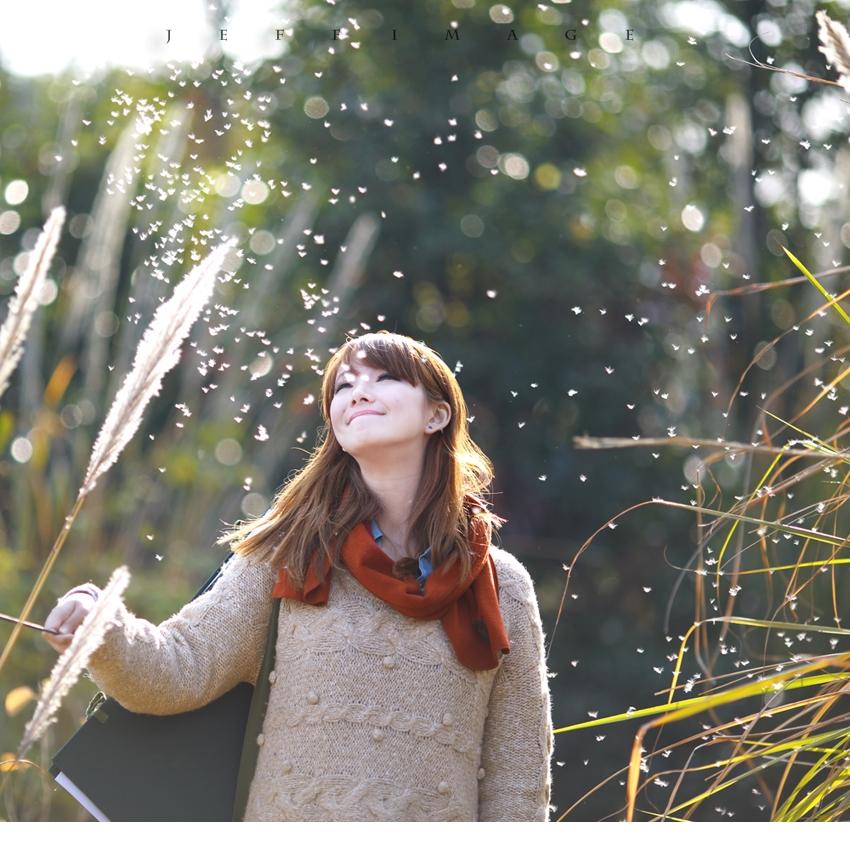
[468, 610]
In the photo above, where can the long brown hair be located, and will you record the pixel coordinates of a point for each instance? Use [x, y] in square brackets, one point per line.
[310, 513]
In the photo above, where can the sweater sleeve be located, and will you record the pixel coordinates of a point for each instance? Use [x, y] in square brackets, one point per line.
[518, 738]
[196, 655]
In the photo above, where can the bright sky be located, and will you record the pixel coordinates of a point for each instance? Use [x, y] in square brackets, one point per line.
[46, 36]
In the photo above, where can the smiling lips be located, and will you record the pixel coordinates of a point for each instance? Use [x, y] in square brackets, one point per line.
[362, 413]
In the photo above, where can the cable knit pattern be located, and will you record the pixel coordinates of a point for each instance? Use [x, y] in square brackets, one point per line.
[371, 717]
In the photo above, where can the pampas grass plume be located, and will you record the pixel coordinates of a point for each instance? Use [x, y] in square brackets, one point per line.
[158, 352]
[835, 46]
[87, 638]
[25, 299]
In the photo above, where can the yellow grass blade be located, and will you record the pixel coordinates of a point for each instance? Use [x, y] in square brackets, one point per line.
[732, 530]
[820, 444]
[766, 687]
[824, 563]
[817, 285]
[631, 783]
[787, 807]
[808, 533]
[708, 702]
[706, 794]
[743, 621]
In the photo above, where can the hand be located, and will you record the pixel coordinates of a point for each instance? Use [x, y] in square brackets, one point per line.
[69, 612]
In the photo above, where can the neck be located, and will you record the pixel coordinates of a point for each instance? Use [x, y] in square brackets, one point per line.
[395, 484]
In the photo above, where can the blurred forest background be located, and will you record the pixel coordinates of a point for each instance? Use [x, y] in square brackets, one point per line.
[550, 215]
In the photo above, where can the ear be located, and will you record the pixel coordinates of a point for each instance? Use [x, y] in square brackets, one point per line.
[441, 415]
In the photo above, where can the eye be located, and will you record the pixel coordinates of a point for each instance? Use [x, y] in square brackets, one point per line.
[346, 384]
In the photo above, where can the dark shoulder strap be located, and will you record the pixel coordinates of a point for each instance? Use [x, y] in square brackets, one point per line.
[213, 577]
[256, 715]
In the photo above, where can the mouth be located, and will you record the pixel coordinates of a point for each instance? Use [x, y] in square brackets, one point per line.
[363, 413]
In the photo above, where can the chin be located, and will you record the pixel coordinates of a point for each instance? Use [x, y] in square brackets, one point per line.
[372, 449]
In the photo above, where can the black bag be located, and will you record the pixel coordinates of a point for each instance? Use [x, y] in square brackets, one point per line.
[193, 766]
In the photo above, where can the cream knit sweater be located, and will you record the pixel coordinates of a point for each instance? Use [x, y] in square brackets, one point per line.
[370, 716]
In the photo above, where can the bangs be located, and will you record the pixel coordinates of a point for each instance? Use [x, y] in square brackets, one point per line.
[383, 353]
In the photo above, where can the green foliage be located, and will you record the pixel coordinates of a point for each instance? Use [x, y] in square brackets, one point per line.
[615, 144]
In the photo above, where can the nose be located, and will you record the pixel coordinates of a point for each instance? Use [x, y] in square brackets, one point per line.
[360, 389]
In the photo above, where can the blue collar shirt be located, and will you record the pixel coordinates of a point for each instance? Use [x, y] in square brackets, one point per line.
[425, 565]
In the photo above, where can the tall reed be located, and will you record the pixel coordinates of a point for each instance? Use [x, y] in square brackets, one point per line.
[820, 792]
[71, 663]
[157, 353]
[835, 45]
[25, 298]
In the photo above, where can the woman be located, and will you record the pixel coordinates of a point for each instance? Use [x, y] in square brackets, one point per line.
[410, 679]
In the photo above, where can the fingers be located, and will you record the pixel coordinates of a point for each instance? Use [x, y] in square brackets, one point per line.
[57, 617]
[64, 618]
[59, 642]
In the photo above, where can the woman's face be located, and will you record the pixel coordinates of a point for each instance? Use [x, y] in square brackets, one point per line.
[401, 412]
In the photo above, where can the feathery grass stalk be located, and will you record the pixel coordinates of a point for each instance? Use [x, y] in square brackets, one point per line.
[87, 638]
[158, 352]
[71, 663]
[25, 299]
[835, 46]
